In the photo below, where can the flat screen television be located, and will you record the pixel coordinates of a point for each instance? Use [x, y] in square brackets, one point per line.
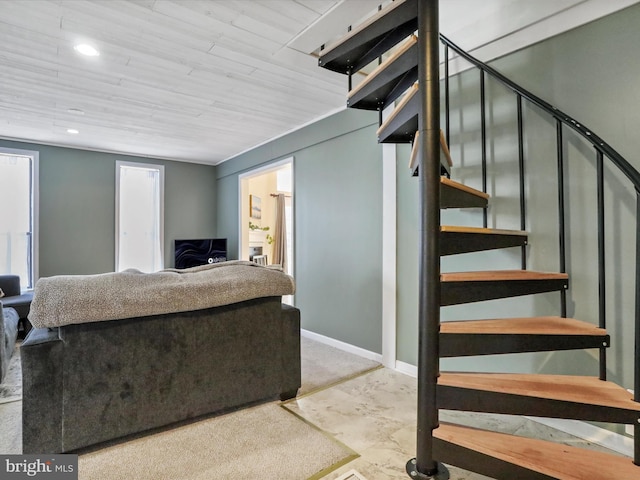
[192, 253]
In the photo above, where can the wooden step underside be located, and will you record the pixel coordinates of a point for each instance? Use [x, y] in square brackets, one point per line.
[456, 195]
[468, 287]
[455, 240]
[389, 80]
[518, 335]
[371, 39]
[555, 396]
[508, 457]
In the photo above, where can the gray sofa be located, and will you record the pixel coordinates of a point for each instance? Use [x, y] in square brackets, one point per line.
[87, 383]
[8, 335]
[13, 297]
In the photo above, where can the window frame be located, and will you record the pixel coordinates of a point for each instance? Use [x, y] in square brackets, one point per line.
[34, 221]
[150, 166]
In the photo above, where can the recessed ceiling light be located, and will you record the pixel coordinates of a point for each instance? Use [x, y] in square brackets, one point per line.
[73, 131]
[86, 49]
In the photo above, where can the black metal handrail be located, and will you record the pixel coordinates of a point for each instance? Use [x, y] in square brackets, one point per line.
[603, 149]
[624, 166]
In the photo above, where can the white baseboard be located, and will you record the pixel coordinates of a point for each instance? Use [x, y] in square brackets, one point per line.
[347, 347]
[590, 433]
[407, 369]
[600, 436]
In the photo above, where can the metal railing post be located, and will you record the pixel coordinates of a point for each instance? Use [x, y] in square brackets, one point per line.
[483, 134]
[447, 106]
[523, 205]
[561, 215]
[602, 286]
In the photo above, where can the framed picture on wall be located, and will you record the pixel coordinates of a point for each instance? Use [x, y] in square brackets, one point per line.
[255, 206]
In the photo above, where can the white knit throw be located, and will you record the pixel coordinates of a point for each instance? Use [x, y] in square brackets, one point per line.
[67, 299]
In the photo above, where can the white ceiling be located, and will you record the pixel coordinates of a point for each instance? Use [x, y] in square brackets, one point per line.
[203, 80]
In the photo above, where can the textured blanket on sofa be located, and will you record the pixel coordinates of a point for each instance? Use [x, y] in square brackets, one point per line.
[66, 299]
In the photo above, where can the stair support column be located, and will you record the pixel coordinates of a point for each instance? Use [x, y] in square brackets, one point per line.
[424, 465]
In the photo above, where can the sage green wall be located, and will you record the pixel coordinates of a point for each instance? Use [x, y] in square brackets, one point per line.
[588, 73]
[77, 207]
[338, 223]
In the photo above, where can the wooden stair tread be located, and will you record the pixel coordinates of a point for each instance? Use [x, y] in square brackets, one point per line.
[457, 195]
[446, 182]
[401, 125]
[413, 156]
[518, 335]
[501, 275]
[456, 240]
[468, 287]
[546, 458]
[398, 109]
[569, 388]
[481, 230]
[410, 42]
[525, 326]
[445, 157]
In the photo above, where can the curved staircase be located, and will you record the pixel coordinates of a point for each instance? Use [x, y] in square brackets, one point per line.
[399, 80]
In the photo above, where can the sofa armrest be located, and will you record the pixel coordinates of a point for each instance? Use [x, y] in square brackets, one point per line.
[10, 285]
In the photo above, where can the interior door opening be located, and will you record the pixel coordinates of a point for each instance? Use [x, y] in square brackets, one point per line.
[266, 234]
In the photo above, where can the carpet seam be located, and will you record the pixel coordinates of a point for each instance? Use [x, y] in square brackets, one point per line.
[325, 471]
[331, 385]
[354, 455]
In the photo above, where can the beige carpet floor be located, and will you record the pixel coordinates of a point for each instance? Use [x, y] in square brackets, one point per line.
[323, 366]
[263, 442]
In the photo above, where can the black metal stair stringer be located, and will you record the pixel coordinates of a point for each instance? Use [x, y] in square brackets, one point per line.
[364, 44]
[474, 400]
[455, 293]
[470, 344]
[457, 242]
[453, 197]
[402, 126]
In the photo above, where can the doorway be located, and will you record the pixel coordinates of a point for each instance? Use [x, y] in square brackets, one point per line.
[259, 190]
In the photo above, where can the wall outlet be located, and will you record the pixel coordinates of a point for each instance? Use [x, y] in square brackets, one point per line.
[629, 429]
